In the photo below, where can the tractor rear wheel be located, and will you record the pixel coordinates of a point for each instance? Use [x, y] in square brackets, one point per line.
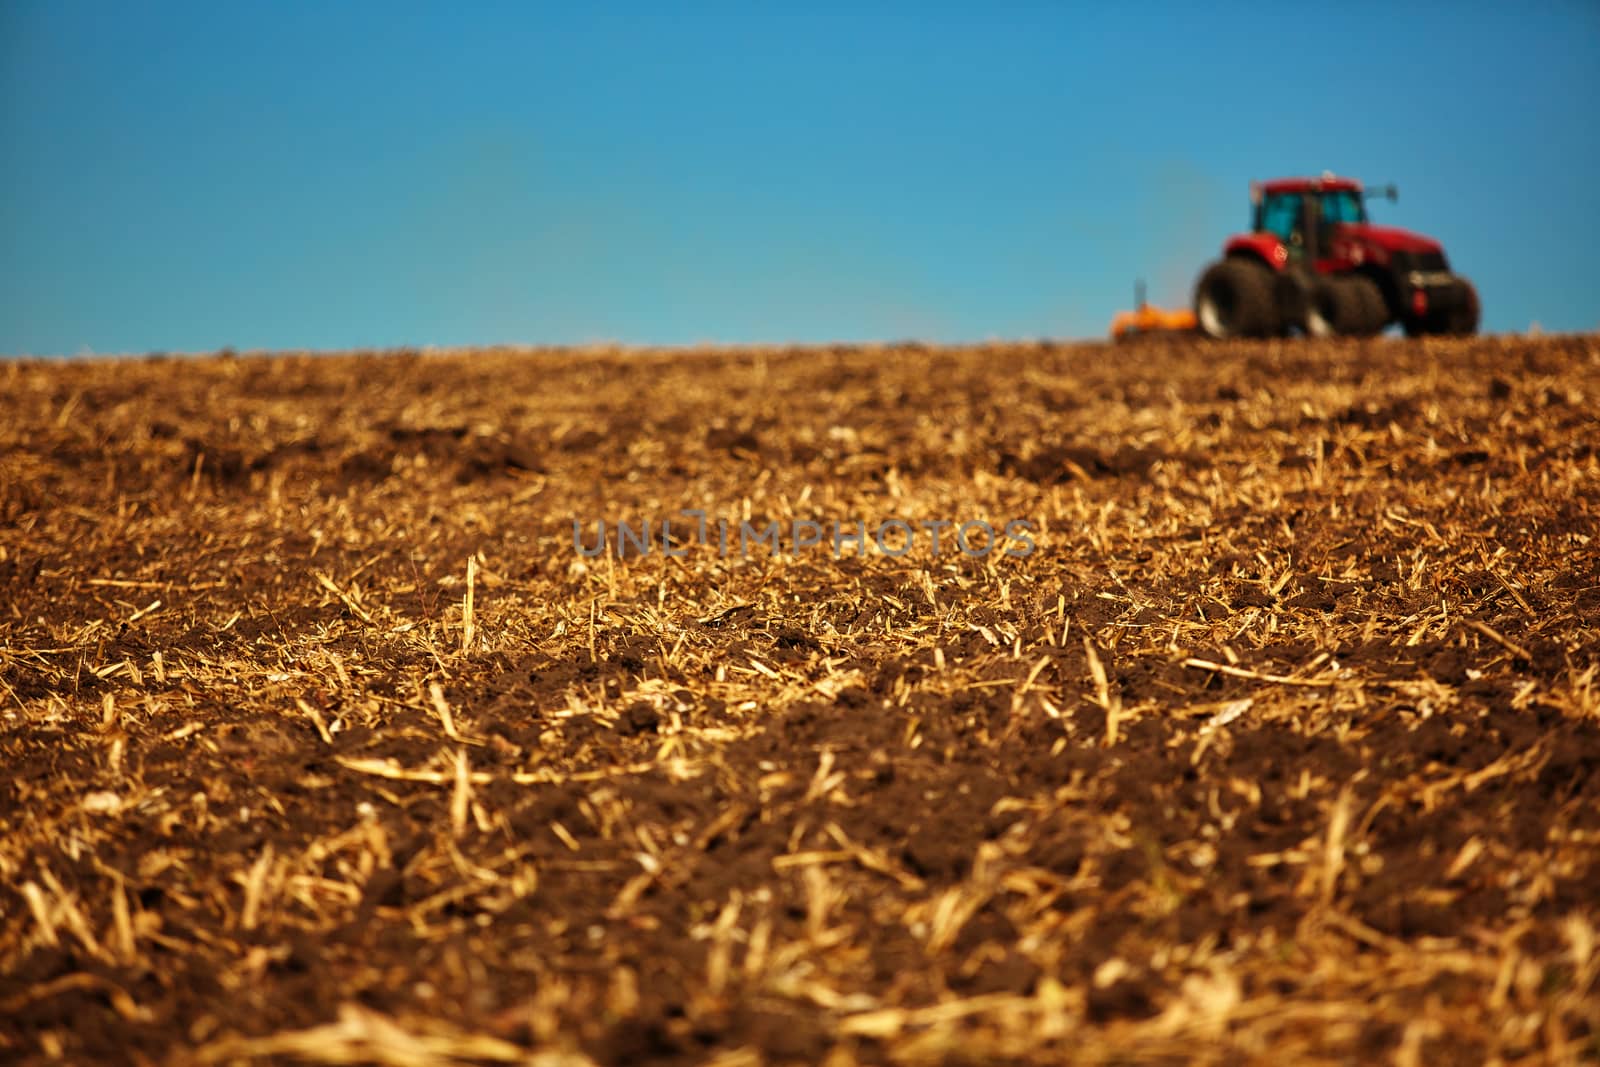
[1291, 292]
[1234, 299]
[1325, 311]
[1347, 304]
[1369, 313]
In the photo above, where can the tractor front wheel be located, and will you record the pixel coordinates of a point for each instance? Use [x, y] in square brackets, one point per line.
[1463, 317]
[1234, 299]
[1460, 317]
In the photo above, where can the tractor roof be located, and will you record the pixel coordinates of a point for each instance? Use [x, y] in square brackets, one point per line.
[1327, 182]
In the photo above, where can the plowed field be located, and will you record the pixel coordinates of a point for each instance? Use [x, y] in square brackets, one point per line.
[1268, 731]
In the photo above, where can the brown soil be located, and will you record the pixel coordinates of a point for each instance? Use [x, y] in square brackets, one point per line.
[323, 742]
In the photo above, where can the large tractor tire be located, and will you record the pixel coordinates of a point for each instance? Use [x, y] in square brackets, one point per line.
[1235, 299]
[1347, 304]
[1463, 317]
[1324, 310]
[1459, 319]
[1291, 292]
[1368, 312]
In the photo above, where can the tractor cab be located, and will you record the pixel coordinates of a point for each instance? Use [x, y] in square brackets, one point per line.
[1304, 215]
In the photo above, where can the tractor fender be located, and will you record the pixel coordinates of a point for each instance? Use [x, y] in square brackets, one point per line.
[1263, 246]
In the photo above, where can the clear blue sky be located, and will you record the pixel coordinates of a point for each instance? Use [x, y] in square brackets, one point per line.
[185, 177]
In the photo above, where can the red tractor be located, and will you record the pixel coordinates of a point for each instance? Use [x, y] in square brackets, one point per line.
[1312, 262]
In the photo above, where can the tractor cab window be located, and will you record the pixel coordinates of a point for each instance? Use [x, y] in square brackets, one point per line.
[1342, 206]
[1337, 209]
[1280, 216]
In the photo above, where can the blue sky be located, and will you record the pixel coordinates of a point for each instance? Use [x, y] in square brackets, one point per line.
[184, 177]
